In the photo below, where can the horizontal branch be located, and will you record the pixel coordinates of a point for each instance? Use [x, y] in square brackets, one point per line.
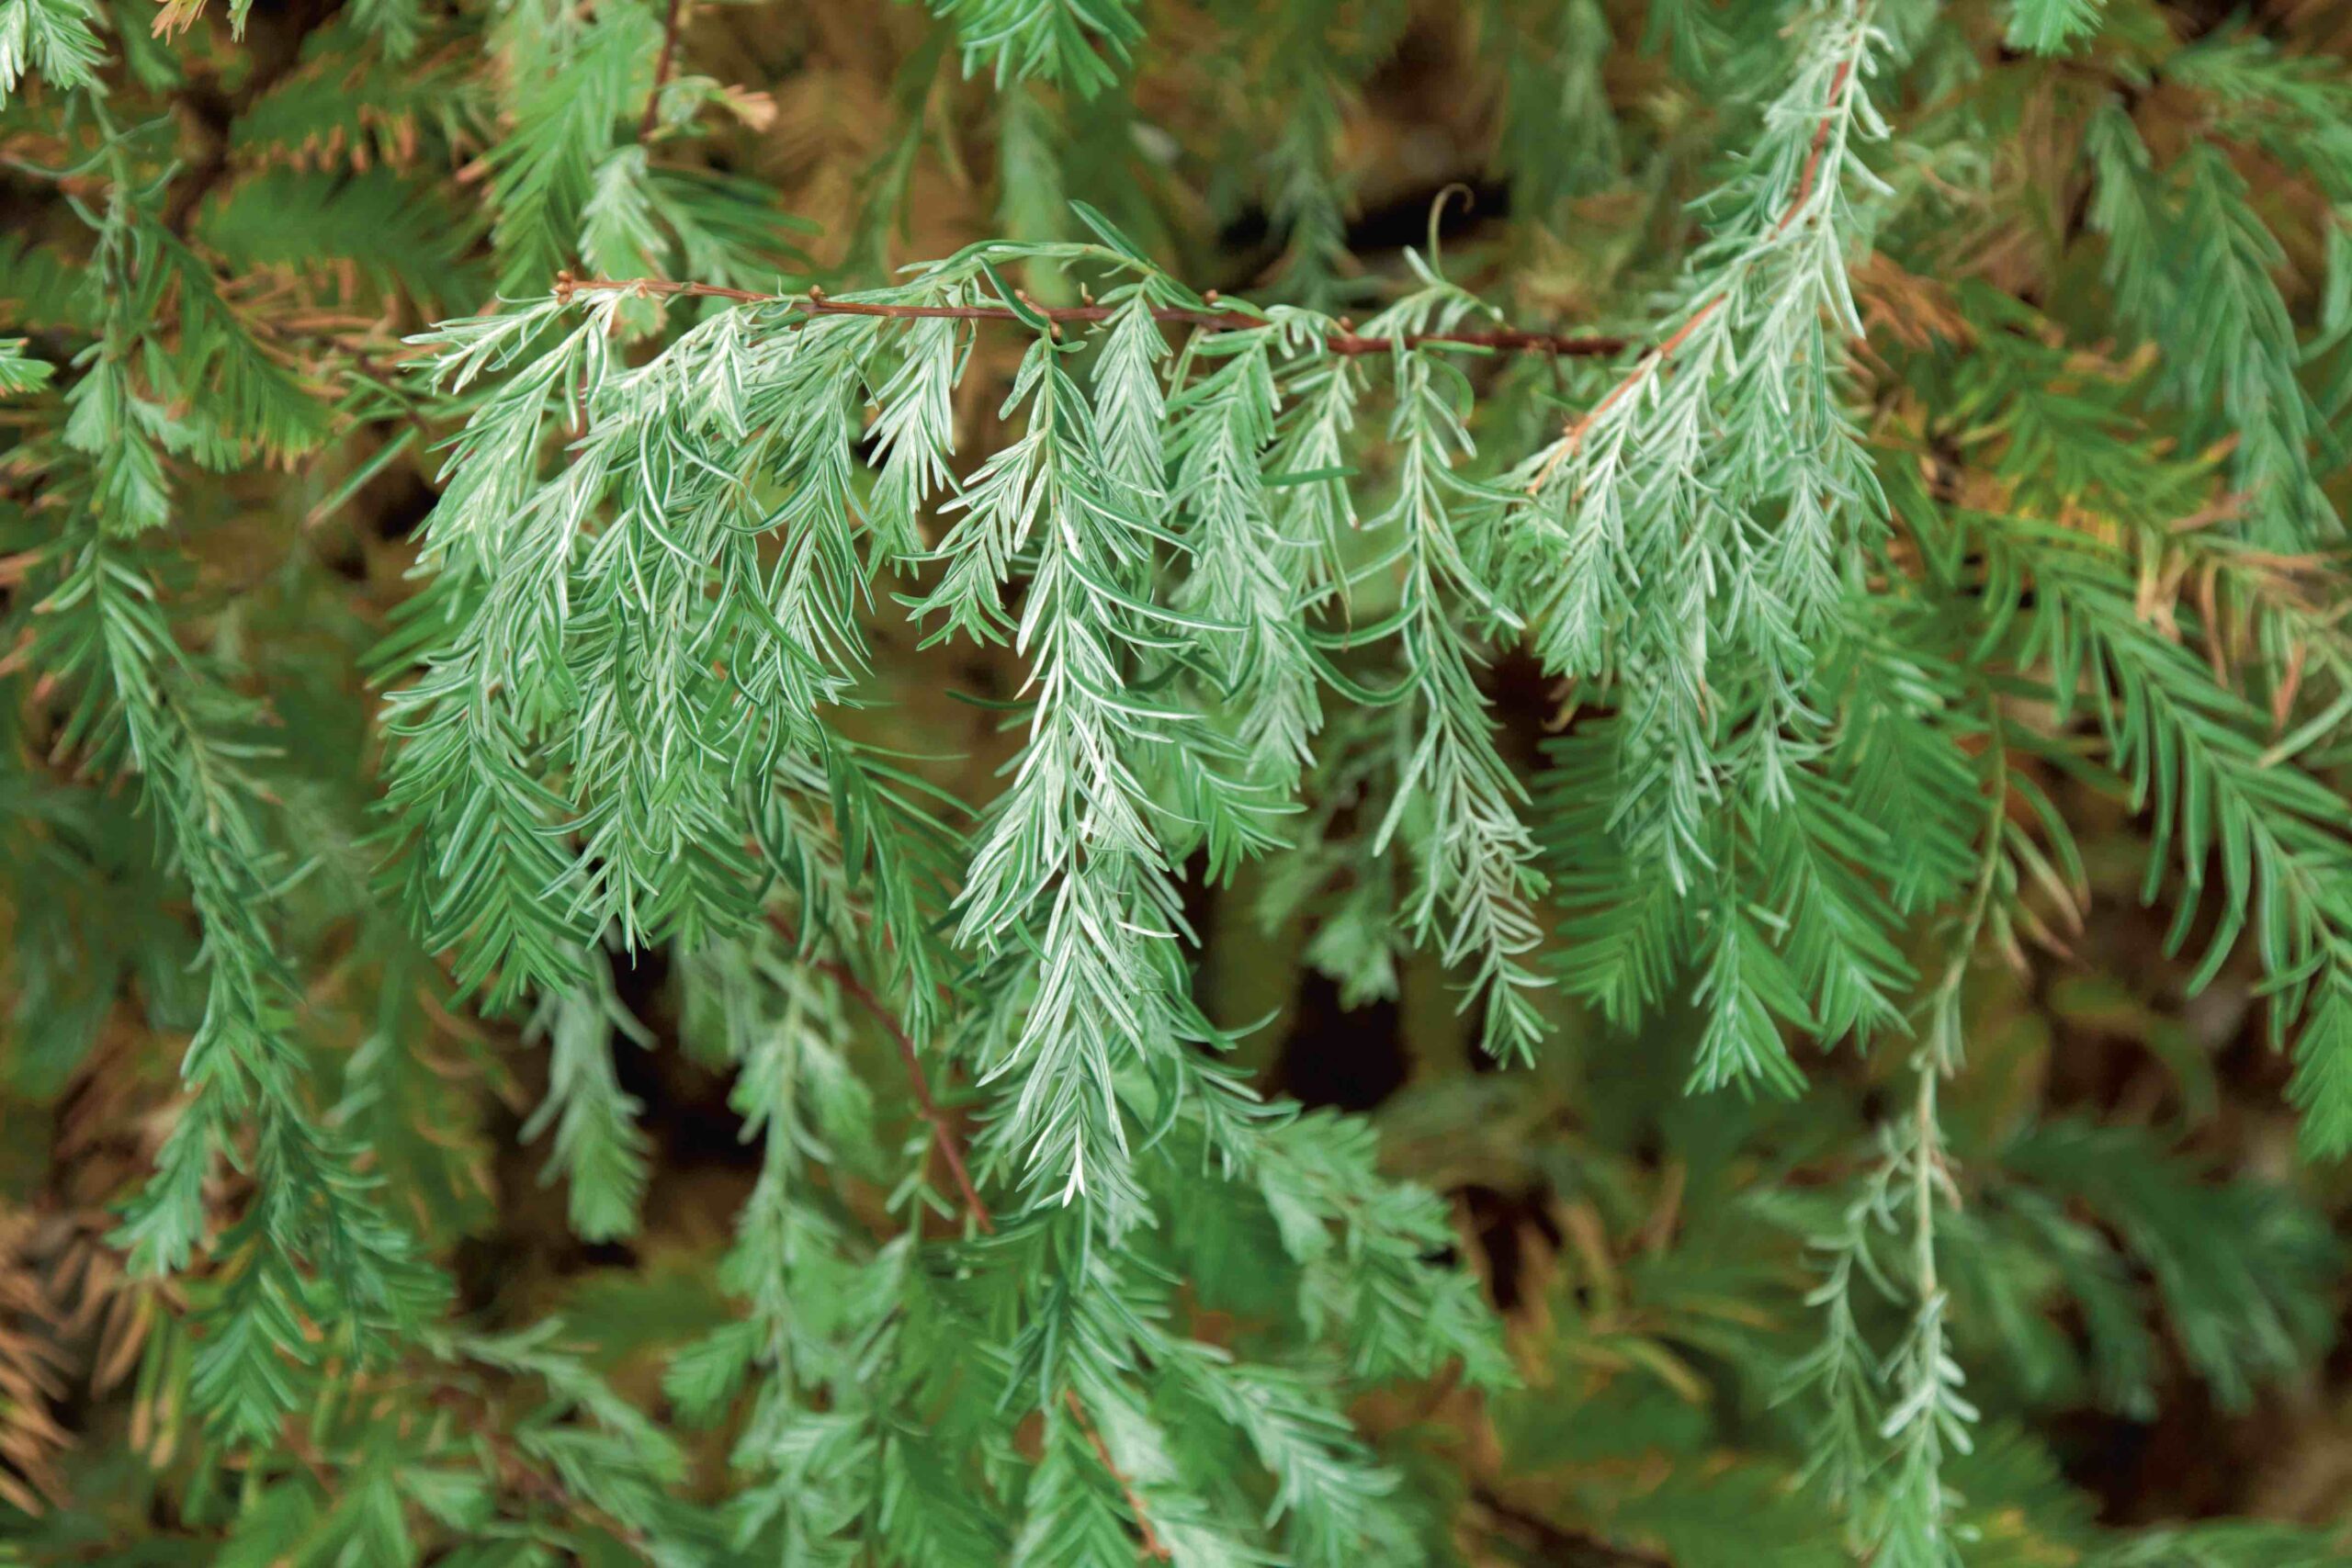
[815, 302]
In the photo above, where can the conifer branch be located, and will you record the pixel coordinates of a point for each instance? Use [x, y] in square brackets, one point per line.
[815, 302]
[1833, 552]
[943, 1134]
[1650, 364]
[662, 65]
[1152, 1547]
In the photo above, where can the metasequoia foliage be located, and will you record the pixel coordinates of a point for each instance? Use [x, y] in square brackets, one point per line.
[1898, 441]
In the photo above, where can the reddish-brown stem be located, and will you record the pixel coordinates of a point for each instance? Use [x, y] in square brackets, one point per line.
[1153, 1547]
[662, 65]
[1665, 350]
[942, 1133]
[1820, 145]
[1508, 340]
[1651, 363]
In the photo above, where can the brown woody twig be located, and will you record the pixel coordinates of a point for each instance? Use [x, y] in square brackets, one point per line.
[661, 67]
[1153, 1547]
[1650, 364]
[943, 1134]
[1508, 340]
